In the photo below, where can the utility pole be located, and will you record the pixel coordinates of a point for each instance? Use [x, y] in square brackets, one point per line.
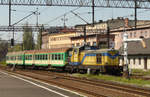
[12, 39]
[135, 14]
[9, 12]
[84, 30]
[64, 20]
[108, 34]
[93, 13]
[84, 26]
[125, 55]
[37, 17]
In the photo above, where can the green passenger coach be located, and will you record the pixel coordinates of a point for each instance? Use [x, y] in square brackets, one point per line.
[39, 58]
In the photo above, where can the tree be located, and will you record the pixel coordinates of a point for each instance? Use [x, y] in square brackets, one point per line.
[39, 38]
[3, 49]
[17, 47]
[28, 40]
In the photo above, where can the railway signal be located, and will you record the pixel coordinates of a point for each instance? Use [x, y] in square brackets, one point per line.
[12, 42]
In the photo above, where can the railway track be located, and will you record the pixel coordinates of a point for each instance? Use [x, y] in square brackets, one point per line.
[82, 84]
[127, 88]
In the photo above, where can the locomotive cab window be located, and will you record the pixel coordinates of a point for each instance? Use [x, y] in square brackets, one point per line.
[99, 58]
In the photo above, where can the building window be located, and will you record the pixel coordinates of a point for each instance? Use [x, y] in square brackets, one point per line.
[88, 43]
[131, 34]
[145, 33]
[133, 60]
[139, 61]
[72, 45]
[78, 44]
[134, 34]
[94, 43]
[141, 33]
[129, 60]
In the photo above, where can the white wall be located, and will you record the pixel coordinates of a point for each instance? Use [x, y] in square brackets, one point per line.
[137, 65]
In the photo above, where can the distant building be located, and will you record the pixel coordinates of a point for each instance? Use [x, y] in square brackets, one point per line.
[71, 37]
[45, 36]
[132, 33]
[117, 26]
[112, 24]
[138, 57]
[99, 40]
[61, 39]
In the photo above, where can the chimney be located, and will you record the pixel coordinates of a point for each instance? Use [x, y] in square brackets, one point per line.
[126, 21]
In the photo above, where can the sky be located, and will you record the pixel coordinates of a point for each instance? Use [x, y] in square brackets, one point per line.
[53, 16]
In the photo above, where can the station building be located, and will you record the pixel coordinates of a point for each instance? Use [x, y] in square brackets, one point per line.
[138, 57]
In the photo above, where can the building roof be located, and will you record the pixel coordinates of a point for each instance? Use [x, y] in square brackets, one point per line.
[136, 48]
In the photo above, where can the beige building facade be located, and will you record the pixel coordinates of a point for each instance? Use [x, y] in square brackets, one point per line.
[132, 34]
[61, 39]
[45, 40]
[99, 40]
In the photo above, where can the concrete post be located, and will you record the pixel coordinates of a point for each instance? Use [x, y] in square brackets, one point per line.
[88, 71]
[125, 54]
[13, 68]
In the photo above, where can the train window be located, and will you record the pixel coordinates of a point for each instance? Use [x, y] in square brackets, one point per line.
[55, 56]
[46, 57]
[35, 57]
[99, 58]
[43, 57]
[59, 58]
[76, 51]
[40, 57]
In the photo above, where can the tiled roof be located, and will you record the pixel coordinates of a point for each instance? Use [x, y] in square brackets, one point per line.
[136, 48]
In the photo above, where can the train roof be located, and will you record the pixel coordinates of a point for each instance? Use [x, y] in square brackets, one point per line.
[56, 50]
[16, 53]
[99, 51]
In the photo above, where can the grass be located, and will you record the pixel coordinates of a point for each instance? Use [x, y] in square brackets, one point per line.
[139, 82]
[3, 63]
[140, 72]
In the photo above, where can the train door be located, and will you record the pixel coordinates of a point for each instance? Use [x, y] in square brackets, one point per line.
[75, 56]
[145, 63]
